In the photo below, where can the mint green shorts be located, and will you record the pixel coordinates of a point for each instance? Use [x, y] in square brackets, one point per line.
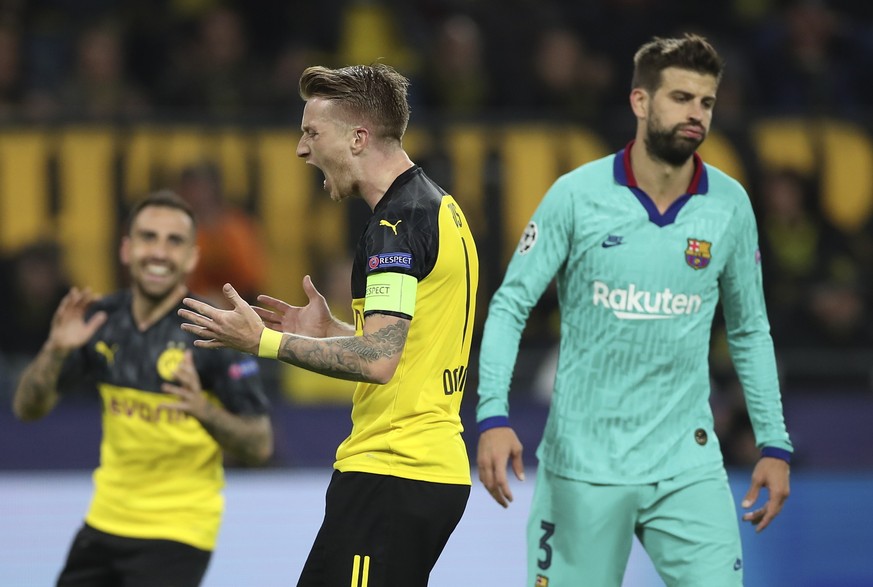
[580, 534]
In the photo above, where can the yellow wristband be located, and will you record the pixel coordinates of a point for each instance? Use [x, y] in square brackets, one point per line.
[269, 345]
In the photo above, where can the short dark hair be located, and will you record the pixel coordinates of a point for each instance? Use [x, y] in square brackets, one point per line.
[691, 52]
[377, 92]
[161, 199]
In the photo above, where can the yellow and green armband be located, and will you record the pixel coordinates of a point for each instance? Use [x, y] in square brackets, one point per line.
[391, 292]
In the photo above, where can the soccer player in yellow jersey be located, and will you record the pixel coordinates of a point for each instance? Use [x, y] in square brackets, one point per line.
[169, 410]
[402, 476]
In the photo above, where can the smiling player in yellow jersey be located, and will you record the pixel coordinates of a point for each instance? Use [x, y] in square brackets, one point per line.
[169, 411]
[402, 476]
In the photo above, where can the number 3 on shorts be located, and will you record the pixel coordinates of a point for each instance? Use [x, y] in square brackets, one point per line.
[548, 530]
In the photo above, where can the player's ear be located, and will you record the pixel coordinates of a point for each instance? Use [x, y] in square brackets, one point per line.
[639, 101]
[360, 139]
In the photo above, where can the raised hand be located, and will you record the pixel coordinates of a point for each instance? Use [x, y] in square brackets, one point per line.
[238, 328]
[188, 389]
[69, 329]
[314, 319]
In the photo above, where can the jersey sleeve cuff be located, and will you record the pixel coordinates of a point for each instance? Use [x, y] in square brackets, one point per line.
[775, 453]
[493, 422]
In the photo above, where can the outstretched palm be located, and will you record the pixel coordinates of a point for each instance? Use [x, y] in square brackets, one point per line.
[69, 329]
[314, 319]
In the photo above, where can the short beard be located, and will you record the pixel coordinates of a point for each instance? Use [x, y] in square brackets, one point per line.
[666, 146]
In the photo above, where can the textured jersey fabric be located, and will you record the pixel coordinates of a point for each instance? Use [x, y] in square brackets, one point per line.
[637, 291]
[410, 427]
[160, 473]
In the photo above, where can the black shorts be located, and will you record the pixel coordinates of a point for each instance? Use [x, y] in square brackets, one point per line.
[382, 531]
[98, 559]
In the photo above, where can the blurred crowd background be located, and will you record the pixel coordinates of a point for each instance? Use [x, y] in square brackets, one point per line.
[506, 94]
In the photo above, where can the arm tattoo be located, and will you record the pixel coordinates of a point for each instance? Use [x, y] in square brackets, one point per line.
[248, 438]
[37, 392]
[346, 357]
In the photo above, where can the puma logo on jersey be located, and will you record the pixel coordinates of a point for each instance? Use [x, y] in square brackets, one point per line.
[107, 351]
[393, 227]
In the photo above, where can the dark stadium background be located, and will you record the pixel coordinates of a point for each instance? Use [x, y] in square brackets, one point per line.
[102, 101]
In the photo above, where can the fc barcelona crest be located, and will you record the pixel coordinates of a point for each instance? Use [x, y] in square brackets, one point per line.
[697, 254]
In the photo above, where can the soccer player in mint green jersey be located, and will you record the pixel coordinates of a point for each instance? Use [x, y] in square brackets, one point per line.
[643, 244]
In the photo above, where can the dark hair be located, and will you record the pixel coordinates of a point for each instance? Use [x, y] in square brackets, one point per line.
[691, 52]
[161, 199]
[375, 92]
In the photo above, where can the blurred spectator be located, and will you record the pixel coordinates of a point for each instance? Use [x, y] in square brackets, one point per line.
[798, 248]
[568, 81]
[839, 318]
[811, 61]
[455, 79]
[37, 282]
[11, 90]
[814, 282]
[281, 100]
[230, 248]
[215, 76]
[99, 88]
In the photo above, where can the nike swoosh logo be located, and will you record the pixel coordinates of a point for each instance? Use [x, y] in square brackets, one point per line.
[608, 244]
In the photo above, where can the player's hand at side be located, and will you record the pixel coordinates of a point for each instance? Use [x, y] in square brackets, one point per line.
[238, 328]
[496, 447]
[314, 319]
[772, 474]
[188, 389]
[69, 329]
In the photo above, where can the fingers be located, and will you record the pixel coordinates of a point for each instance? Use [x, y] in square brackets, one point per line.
[207, 344]
[274, 304]
[177, 390]
[492, 473]
[268, 316]
[760, 518]
[201, 308]
[518, 465]
[503, 493]
[232, 296]
[489, 475]
[197, 319]
[752, 494]
[309, 288]
[754, 517]
[186, 374]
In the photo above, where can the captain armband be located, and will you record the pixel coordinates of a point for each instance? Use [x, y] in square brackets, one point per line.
[391, 292]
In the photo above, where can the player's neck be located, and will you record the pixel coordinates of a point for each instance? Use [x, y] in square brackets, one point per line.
[381, 174]
[146, 311]
[663, 183]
